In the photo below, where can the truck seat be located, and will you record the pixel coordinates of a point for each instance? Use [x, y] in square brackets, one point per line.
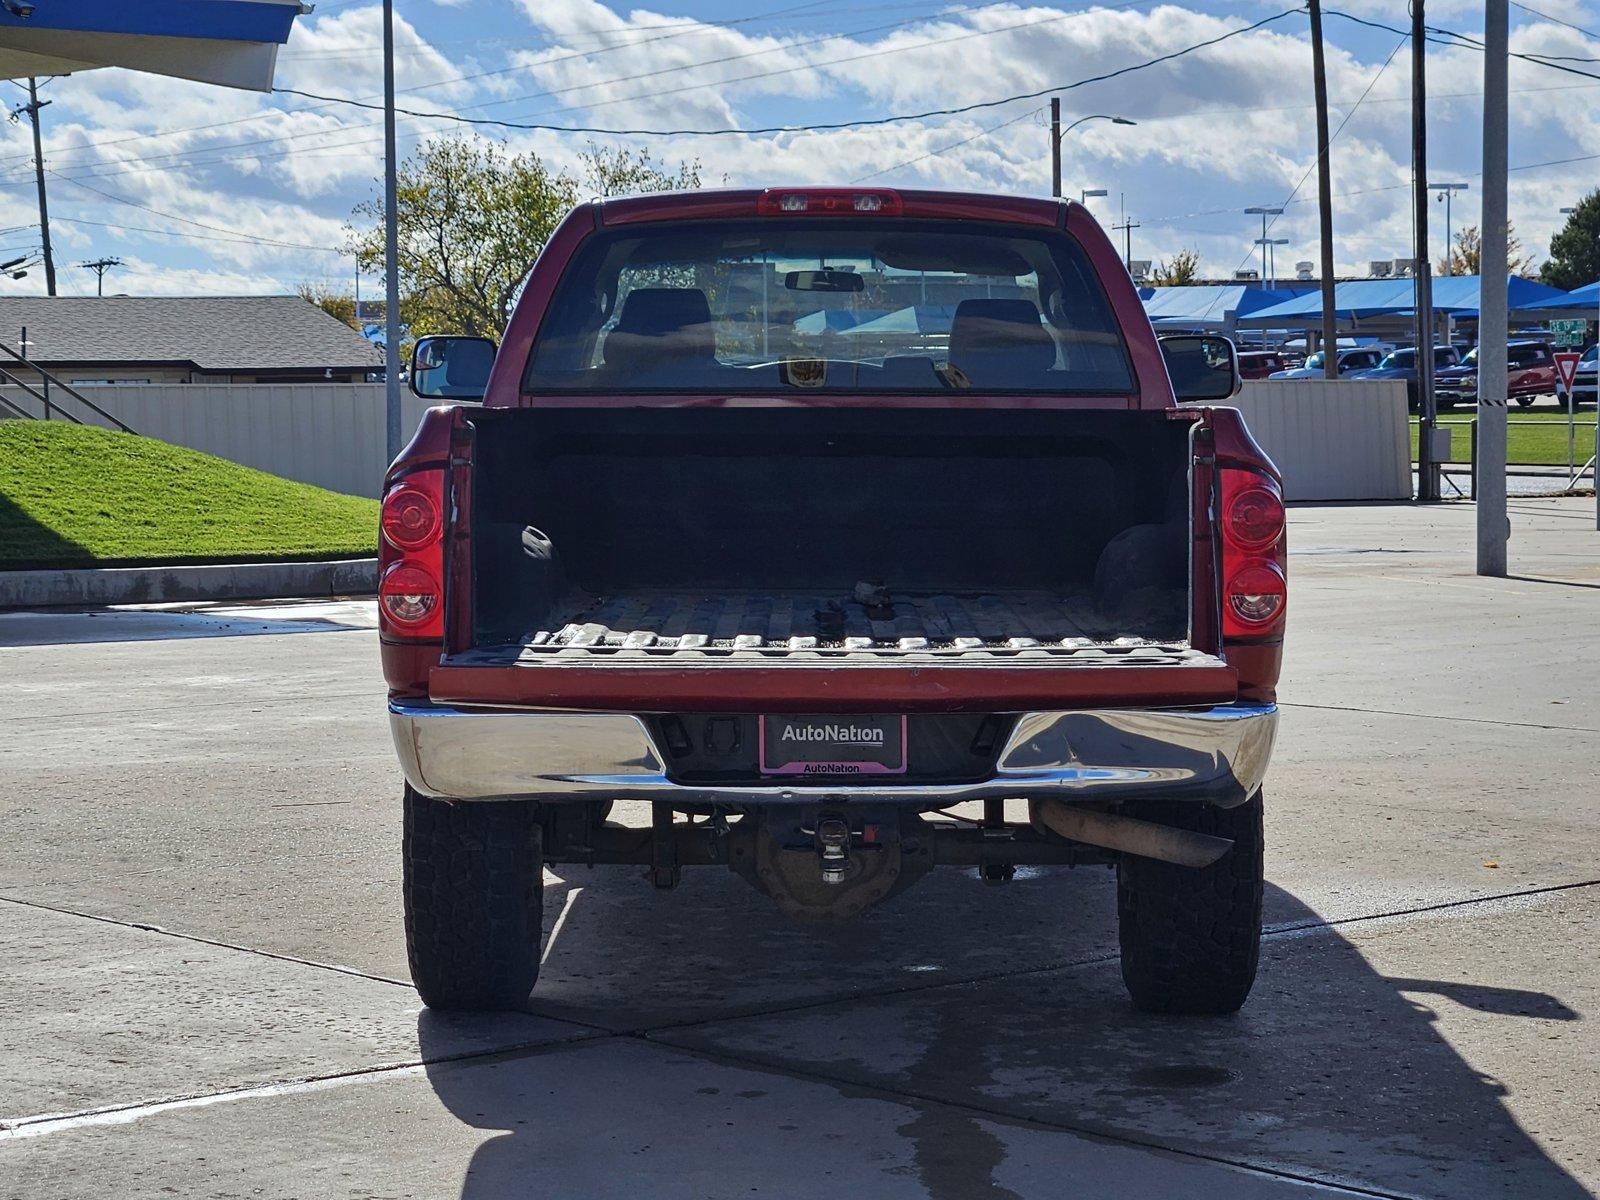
[659, 330]
[1000, 343]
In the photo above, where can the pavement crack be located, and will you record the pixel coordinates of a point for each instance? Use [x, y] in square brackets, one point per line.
[1391, 712]
[204, 941]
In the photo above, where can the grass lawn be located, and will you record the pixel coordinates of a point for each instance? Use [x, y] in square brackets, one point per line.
[1533, 436]
[71, 495]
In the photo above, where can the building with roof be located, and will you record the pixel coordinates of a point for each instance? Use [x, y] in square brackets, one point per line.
[89, 340]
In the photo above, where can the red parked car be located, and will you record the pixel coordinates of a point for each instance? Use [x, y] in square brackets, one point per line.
[1530, 373]
[801, 515]
[1258, 364]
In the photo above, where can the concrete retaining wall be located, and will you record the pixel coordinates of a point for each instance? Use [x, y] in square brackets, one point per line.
[1333, 440]
[206, 581]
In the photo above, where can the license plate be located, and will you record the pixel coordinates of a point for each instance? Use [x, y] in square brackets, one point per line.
[833, 746]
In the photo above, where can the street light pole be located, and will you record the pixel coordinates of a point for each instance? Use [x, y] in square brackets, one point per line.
[1447, 193]
[1489, 462]
[1263, 211]
[1422, 275]
[1057, 133]
[391, 246]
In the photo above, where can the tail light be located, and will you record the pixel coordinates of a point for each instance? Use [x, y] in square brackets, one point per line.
[411, 558]
[1255, 589]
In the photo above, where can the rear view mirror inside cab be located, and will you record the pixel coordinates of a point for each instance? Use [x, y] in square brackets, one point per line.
[824, 281]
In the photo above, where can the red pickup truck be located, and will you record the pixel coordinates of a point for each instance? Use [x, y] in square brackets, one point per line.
[806, 515]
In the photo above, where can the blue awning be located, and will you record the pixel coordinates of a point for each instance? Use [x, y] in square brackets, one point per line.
[1361, 299]
[1580, 302]
[229, 42]
[1208, 304]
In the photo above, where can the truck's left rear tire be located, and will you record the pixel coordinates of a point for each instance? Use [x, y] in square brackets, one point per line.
[1191, 936]
[474, 899]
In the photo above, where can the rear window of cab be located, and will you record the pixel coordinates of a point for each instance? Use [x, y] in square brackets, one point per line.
[871, 305]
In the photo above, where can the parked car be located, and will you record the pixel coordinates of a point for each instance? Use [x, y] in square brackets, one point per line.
[1402, 364]
[1530, 373]
[1258, 364]
[1362, 358]
[797, 602]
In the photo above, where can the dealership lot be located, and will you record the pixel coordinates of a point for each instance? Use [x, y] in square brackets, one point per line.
[205, 986]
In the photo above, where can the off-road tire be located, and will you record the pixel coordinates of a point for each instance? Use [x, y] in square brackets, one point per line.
[474, 898]
[1191, 936]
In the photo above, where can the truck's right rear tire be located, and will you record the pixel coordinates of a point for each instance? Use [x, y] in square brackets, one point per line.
[474, 900]
[1191, 936]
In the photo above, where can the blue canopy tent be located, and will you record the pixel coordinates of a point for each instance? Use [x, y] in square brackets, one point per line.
[1580, 302]
[1207, 306]
[229, 42]
[1368, 299]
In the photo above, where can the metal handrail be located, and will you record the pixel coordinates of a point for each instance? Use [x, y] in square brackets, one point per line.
[44, 397]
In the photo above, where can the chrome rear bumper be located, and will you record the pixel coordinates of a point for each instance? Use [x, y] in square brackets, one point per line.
[1214, 754]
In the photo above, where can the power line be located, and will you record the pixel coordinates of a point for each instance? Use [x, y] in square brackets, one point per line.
[332, 102]
[826, 127]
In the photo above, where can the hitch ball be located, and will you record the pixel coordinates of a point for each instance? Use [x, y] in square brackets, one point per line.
[833, 849]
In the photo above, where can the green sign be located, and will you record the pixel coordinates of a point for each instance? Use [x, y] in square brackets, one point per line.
[1569, 332]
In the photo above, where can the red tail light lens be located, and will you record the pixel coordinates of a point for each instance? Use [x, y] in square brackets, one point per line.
[1254, 518]
[411, 599]
[411, 558]
[1255, 598]
[1255, 590]
[411, 518]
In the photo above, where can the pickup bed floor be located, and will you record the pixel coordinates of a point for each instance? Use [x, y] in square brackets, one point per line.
[798, 620]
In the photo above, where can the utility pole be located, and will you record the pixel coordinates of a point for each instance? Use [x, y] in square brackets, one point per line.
[391, 245]
[1489, 463]
[1055, 146]
[1330, 317]
[100, 266]
[1422, 275]
[1127, 227]
[32, 108]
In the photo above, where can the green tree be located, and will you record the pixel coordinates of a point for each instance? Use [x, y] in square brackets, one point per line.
[1466, 256]
[618, 171]
[472, 219]
[1183, 269]
[1575, 251]
[339, 305]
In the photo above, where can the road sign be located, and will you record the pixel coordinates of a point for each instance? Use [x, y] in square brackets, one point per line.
[1570, 332]
[1567, 369]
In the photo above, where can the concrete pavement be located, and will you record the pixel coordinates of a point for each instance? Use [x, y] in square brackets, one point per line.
[205, 981]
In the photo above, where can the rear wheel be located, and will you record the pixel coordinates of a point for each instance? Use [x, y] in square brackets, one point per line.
[1526, 401]
[1191, 937]
[474, 898]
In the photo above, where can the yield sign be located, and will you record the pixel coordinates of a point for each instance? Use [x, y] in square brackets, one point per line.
[1567, 369]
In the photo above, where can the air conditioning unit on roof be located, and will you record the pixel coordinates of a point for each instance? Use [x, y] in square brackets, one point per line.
[1380, 268]
[1248, 275]
[1405, 268]
[1139, 268]
[1303, 270]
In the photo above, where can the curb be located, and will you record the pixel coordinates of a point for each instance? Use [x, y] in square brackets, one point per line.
[198, 581]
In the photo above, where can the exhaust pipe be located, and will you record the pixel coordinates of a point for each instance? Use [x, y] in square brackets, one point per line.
[1130, 835]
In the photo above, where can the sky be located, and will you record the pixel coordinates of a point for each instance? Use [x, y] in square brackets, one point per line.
[205, 190]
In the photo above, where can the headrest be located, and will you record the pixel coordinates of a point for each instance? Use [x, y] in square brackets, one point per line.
[992, 339]
[655, 312]
[661, 323]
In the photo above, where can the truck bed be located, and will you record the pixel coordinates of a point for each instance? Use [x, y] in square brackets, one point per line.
[829, 623]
